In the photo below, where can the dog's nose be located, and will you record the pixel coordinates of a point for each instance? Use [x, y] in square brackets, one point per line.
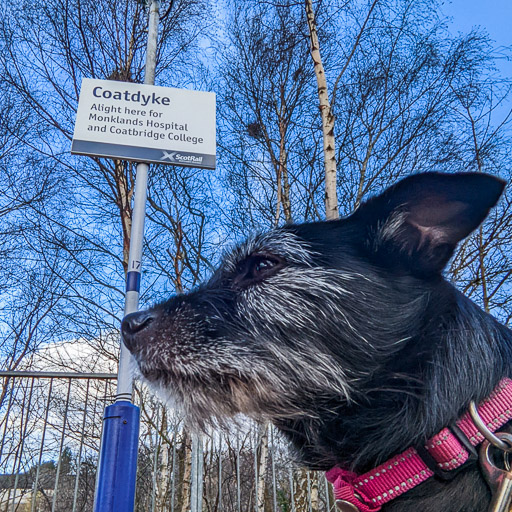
[132, 325]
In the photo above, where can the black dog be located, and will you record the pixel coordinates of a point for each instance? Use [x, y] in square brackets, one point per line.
[343, 333]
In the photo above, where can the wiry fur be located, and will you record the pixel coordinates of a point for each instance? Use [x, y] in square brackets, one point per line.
[344, 334]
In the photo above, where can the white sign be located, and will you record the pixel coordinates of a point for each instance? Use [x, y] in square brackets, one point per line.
[145, 123]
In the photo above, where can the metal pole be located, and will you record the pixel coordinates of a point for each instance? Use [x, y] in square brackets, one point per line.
[125, 374]
[196, 476]
[117, 471]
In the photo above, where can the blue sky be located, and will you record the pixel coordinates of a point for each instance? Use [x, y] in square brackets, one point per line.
[495, 16]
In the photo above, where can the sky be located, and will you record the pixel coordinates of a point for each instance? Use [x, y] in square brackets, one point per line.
[495, 16]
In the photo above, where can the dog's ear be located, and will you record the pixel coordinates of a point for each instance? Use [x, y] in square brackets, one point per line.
[418, 222]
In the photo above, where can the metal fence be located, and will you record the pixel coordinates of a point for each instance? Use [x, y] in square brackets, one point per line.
[50, 427]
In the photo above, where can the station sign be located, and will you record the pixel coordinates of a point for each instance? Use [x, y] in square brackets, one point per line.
[145, 123]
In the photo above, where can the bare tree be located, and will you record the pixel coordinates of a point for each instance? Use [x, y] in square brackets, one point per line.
[267, 145]
[87, 220]
[483, 265]
[72, 240]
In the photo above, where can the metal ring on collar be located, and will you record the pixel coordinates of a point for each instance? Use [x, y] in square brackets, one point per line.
[482, 427]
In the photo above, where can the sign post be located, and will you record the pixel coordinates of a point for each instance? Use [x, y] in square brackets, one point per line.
[117, 467]
[142, 123]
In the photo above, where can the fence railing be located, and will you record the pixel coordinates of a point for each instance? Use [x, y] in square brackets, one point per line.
[50, 428]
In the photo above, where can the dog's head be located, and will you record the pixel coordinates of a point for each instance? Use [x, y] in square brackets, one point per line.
[301, 319]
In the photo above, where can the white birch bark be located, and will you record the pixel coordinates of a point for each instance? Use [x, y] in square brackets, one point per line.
[331, 195]
[163, 475]
[186, 478]
[262, 465]
[301, 494]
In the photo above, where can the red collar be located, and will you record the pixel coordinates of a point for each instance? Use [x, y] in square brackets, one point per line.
[442, 455]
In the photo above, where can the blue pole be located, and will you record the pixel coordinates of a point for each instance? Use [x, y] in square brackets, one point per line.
[117, 469]
[115, 490]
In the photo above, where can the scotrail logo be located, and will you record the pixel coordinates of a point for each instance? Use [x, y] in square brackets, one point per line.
[174, 156]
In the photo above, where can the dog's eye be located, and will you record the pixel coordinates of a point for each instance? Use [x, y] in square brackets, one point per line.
[263, 265]
[256, 268]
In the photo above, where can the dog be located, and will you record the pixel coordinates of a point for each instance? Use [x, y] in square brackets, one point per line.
[344, 334]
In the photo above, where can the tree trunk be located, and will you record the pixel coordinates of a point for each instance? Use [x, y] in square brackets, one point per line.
[185, 458]
[331, 195]
[163, 475]
[261, 462]
[300, 495]
[283, 182]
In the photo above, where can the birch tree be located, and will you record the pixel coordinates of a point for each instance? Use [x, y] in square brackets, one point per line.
[325, 104]
[329, 142]
[267, 143]
[261, 465]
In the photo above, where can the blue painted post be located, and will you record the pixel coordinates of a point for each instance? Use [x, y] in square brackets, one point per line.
[115, 490]
[117, 470]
